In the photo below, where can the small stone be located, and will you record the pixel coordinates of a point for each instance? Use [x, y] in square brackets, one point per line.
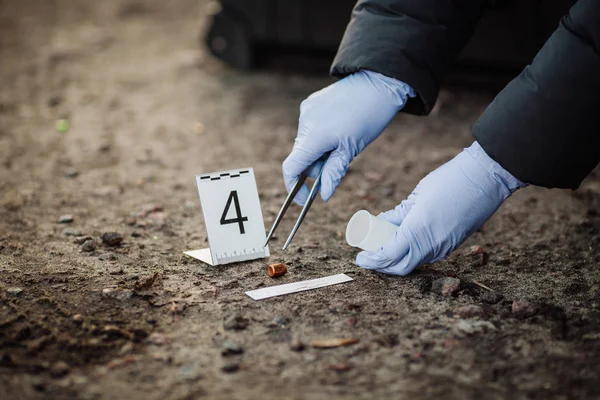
[388, 340]
[54, 100]
[126, 348]
[15, 291]
[89, 245]
[107, 191]
[471, 327]
[297, 345]
[77, 318]
[476, 250]
[445, 286]
[524, 309]
[230, 366]
[112, 238]
[191, 205]
[71, 173]
[492, 297]
[468, 311]
[145, 283]
[147, 209]
[59, 368]
[279, 322]
[230, 348]
[339, 367]
[236, 322]
[65, 219]
[117, 294]
[322, 257]
[159, 339]
[373, 176]
[131, 221]
[107, 257]
[198, 128]
[82, 239]
[72, 232]
[135, 234]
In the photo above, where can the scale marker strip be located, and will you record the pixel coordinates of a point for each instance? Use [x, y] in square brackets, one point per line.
[294, 287]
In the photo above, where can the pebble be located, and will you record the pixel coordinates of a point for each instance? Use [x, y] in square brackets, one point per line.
[236, 322]
[71, 173]
[89, 245]
[131, 221]
[297, 345]
[54, 101]
[117, 294]
[492, 297]
[159, 339]
[385, 192]
[322, 257]
[72, 232]
[387, 340]
[468, 311]
[65, 219]
[445, 286]
[230, 348]
[230, 366]
[112, 238]
[476, 250]
[470, 327]
[524, 309]
[280, 322]
[373, 176]
[15, 291]
[339, 367]
[146, 209]
[77, 318]
[135, 234]
[82, 239]
[59, 368]
[107, 191]
[191, 205]
[107, 257]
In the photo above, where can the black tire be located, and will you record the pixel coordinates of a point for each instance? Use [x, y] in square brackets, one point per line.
[230, 40]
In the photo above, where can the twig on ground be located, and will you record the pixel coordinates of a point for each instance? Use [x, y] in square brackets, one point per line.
[481, 285]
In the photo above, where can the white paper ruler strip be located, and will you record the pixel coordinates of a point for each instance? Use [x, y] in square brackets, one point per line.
[294, 287]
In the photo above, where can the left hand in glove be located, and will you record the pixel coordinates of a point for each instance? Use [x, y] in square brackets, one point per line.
[445, 208]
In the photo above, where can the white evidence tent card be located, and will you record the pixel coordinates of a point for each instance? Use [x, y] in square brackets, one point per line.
[232, 216]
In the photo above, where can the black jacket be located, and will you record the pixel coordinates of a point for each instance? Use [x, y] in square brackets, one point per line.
[544, 127]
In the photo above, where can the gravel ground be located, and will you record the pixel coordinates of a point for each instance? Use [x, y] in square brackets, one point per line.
[148, 110]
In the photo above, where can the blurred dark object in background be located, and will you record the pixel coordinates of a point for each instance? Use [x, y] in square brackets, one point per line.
[303, 35]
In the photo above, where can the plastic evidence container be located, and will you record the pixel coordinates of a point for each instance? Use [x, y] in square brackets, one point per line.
[368, 232]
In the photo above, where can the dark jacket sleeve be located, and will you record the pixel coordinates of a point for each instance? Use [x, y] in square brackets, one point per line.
[544, 127]
[414, 41]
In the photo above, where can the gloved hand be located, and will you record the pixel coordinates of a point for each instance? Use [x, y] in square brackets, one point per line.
[446, 207]
[343, 118]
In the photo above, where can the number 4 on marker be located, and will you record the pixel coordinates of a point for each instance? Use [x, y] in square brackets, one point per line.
[238, 212]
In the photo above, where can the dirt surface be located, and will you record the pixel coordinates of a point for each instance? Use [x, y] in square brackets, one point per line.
[148, 110]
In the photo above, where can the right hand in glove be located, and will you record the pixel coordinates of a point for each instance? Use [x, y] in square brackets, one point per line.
[445, 208]
[342, 118]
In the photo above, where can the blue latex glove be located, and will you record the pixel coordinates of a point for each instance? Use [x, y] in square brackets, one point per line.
[343, 118]
[446, 207]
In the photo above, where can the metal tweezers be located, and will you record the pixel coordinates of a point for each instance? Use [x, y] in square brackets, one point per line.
[290, 197]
